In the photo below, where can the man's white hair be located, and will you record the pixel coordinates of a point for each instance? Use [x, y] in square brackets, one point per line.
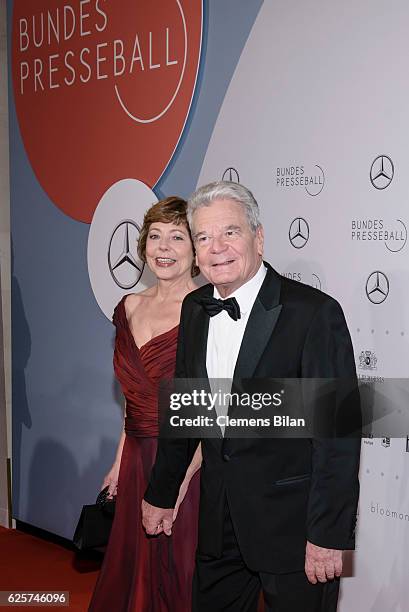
[225, 190]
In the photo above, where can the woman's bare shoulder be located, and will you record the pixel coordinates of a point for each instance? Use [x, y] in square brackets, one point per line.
[134, 300]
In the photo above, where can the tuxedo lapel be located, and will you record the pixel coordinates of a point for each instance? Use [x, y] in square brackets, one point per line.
[260, 326]
[197, 338]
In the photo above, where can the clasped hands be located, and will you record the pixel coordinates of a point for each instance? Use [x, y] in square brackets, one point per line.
[321, 564]
[155, 520]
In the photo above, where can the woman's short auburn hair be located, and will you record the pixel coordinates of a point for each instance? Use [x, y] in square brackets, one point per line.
[169, 210]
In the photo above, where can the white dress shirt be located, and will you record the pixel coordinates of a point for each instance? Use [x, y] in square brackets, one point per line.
[226, 335]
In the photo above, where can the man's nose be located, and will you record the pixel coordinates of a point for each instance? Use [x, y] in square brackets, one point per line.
[218, 244]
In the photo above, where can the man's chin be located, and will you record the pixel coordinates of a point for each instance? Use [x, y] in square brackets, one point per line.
[218, 277]
[224, 281]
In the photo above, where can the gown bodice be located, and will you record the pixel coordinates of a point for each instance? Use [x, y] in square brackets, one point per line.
[139, 371]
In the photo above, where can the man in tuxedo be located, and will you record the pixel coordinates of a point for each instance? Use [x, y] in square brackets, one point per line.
[275, 514]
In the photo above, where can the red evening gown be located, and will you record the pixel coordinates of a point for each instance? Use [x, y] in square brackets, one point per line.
[141, 573]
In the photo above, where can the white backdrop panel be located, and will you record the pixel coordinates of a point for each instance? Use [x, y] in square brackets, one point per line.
[320, 92]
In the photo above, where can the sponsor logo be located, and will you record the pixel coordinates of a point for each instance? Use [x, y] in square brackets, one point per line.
[309, 278]
[299, 233]
[316, 282]
[393, 234]
[102, 91]
[231, 174]
[386, 442]
[312, 179]
[367, 360]
[388, 512]
[366, 380]
[382, 171]
[124, 264]
[377, 287]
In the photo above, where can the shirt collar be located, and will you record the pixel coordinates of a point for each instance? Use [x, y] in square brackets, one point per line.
[246, 294]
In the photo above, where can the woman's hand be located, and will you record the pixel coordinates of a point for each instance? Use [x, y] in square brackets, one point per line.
[111, 480]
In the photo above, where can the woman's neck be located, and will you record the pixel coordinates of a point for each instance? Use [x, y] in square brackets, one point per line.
[173, 290]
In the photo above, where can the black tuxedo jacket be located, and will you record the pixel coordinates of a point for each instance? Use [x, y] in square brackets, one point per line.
[280, 492]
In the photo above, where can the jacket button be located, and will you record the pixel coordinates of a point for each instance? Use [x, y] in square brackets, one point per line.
[226, 457]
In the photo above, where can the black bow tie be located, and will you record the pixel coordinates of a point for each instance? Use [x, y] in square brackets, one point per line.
[213, 306]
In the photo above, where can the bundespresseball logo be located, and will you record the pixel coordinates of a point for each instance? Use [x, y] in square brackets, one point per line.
[102, 91]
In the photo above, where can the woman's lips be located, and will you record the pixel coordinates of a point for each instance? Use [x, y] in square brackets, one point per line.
[164, 262]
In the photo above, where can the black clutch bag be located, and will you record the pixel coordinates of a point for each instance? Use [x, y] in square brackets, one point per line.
[95, 522]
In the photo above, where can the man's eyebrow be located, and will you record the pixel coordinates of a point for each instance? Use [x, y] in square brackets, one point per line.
[199, 234]
[232, 226]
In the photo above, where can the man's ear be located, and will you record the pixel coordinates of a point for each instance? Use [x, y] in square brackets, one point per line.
[260, 239]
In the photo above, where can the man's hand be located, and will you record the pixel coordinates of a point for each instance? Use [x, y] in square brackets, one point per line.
[155, 520]
[322, 564]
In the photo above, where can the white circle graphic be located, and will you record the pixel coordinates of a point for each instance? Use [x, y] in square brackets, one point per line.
[114, 268]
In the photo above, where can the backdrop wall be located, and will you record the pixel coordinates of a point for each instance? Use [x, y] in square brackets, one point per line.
[305, 103]
[4, 502]
[5, 332]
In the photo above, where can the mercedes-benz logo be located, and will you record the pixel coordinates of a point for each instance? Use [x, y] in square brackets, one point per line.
[124, 264]
[299, 233]
[377, 287]
[231, 174]
[382, 171]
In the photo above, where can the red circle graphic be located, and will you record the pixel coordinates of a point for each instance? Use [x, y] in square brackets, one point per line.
[102, 91]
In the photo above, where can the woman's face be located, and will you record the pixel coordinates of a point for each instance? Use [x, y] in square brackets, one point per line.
[169, 250]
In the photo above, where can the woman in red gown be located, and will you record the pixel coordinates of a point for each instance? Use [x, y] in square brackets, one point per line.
[142, 573]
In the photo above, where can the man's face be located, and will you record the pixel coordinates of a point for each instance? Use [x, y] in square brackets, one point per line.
[228, 253]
